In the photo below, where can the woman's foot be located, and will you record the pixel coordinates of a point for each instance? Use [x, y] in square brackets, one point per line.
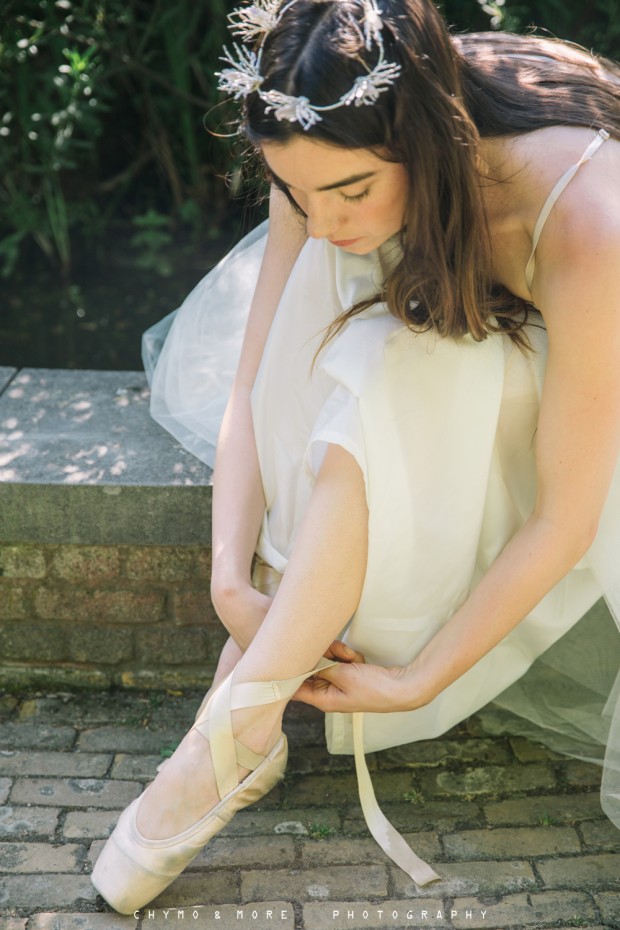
[185, 789]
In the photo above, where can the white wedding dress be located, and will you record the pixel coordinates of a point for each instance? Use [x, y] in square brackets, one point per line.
[444, 432]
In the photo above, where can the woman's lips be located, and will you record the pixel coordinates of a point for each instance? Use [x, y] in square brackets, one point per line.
[343, 243]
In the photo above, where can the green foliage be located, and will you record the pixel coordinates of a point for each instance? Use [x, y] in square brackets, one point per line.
[102, 107]
[150, 240]
[320, 831]
[595, 25]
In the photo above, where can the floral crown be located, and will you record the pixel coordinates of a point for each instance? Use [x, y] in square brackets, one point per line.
[243, 77]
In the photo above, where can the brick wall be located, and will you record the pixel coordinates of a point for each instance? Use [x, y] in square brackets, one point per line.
[127, 616]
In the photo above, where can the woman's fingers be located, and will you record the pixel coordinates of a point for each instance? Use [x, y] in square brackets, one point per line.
[351, 687]
[340, 652]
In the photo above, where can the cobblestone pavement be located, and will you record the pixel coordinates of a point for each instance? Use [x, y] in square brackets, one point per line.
[516, 832]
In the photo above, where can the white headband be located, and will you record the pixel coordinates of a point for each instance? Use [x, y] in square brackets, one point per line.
[243, 77]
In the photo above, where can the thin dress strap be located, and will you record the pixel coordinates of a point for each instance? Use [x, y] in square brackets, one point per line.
[601, 136]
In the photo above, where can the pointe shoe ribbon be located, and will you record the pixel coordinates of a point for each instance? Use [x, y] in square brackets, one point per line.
[388, 838]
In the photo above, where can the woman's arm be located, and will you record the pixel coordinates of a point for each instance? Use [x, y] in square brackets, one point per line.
[238, 503]
[577, 444]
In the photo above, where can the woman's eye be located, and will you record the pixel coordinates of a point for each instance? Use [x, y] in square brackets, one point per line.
[352, 198]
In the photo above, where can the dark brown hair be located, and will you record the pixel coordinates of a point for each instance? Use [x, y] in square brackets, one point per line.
[452, 91]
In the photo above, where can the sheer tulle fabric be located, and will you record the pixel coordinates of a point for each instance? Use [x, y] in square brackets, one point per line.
[444, 433]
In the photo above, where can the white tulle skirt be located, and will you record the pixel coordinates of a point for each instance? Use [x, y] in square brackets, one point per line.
[444, 433]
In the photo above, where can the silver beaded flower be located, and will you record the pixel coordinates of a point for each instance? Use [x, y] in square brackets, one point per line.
[243, 77]
[256, 20]
[293, 109]
[367, 87]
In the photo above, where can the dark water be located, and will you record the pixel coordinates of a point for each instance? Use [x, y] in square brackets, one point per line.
[96, 319]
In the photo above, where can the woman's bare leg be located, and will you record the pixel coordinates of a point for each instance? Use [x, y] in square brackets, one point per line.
[318, 594]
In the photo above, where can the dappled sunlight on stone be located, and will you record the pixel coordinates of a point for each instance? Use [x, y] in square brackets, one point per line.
[87, 428]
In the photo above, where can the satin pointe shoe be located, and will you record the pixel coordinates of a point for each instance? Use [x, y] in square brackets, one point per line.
[132, 870]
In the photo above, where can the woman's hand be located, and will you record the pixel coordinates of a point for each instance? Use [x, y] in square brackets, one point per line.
[340, 652]
[351, 687]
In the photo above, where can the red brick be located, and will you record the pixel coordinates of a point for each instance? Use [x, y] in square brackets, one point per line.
[86, 564]
[168, 646]
[99, 606]
[12, 601]
[43, 642]
[194, 607]
[22, 562]
[160, 563]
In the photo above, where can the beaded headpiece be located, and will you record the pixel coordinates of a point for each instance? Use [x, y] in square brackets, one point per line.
[242, 77]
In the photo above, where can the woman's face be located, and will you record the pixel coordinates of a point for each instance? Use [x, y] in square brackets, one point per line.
[350, 196]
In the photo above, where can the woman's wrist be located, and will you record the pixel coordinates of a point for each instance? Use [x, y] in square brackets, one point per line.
[414, 688]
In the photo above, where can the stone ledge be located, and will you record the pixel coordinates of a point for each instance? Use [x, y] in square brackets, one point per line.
[82, 462]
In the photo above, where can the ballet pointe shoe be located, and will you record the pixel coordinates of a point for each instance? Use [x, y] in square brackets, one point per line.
[132, 869]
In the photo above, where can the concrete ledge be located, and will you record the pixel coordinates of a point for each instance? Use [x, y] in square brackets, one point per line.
[82, 462]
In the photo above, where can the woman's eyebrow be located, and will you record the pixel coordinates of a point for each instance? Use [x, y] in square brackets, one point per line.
[354, 178]
[346, 181]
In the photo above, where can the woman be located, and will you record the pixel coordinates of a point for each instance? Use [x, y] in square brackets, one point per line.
[443, 233]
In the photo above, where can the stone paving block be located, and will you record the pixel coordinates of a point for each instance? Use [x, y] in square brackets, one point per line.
[545, 809]
[15, 923]
[470, 878]
[129, 739]
[37, 892]
[440, 752]
[586, 872]
[216, 887]
[41, 857]
[82, 922]
[74, 792]
[392, 914]
[339, 851]
[506, 843]
[527, 751]
[298, 822]
[54, 763]
[602, 835]
[8, 703]
[442, 816]
[33, 736]
[141, 767]
[5, 788]
[28, 821]
[245, 852]
[89, 825]
[582, 774]
[89, 709]
[318, 884]
[317, 759]
[524, 910]
[334, 790]
[496, 780]
[608, 903]
[263, 915]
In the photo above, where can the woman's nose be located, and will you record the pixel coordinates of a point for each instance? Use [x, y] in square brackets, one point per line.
[321, 222]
